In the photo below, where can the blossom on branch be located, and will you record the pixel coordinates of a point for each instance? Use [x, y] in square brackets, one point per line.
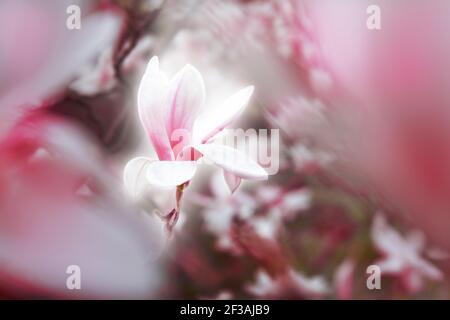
[182, 130]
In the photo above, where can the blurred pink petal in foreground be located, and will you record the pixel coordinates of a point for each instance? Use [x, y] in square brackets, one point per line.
[344, 279]
[58, 208]
[40, 56]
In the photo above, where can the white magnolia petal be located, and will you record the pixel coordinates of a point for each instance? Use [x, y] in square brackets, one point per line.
[232, 160]
[185, 98]
[232, 180]
[167, 174]
[215, 120]
[153, 78]
[152, 110]
[134, 176]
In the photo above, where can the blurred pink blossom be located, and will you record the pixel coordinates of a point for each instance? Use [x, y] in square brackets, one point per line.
[344, 280]
[389, 87]
[402, 255]
[58, 207]
[173, 115]
[45, 55]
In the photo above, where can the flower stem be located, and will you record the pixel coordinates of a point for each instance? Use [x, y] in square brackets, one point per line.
[172, 218]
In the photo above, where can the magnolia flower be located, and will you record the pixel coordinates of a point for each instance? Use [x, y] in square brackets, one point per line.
[181, 131]
[39, 58]
[402, 256]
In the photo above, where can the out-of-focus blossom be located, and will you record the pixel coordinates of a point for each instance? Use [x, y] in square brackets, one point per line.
[171, 112]
[308, 117]
[137, 58]
[59, 208]
[438, 254]
[292, 283]
[283, 203]
[55, 55]
[98, 78]
[402, 255]
[390, 83]
[223, 295]
[309, 159]
[344, 280]
[265, 210]
[307, 130]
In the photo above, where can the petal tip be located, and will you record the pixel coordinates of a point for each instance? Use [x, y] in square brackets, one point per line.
[247, 93]
[189, 69]
[154, 61]
[250, 89]
[152, 66]
[132, 176]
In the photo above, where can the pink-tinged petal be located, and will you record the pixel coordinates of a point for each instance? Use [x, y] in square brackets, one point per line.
[168, 174]
[57, 226]
[151, 105]
[232, 181]
[232, 160]
[213, 121]
[185, 99]
[134, 176]
[344, 280]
